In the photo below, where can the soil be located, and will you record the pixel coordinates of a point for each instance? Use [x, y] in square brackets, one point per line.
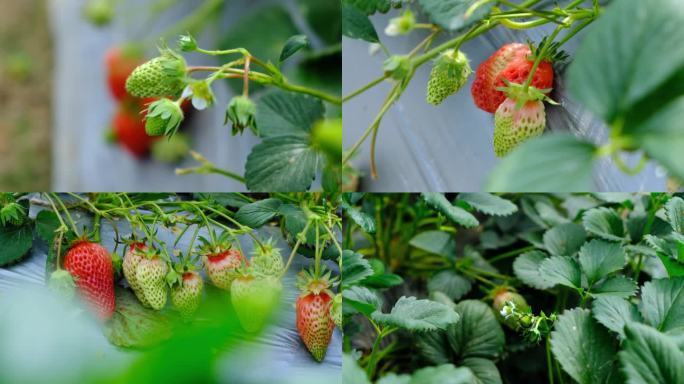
[25, 93]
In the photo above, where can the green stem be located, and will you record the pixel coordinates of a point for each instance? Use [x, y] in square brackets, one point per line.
[309, 91]
[294, 250]
[68, 215]
[540, 56]
[365, 88]
[512, 253]
[622, 166]
[549, 360]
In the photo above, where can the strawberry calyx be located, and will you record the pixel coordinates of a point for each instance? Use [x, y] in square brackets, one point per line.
[522, 96]
[308, 283]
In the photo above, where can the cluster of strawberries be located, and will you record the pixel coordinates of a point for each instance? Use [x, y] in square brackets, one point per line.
[128, 123]
[254, 285]
[499, 88]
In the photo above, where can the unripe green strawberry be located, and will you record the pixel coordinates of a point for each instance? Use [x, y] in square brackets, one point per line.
[505, 296]
[512, 126]
[62, 283]
[449, 74]
[254, 299]
[186, 296]
[134, 255]
[162, 76]
[151, 275]
[336, 310]
[267, 261]
[164, 117]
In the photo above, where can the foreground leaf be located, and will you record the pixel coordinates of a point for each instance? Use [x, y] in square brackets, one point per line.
[604, 223]
[451, 14]
[478, 334]
[356, 25]
[556, 162]
[564, 239]
[583, 347]
[283, 164]
[489, 204]
[356, 268]
[599, 258]
[418, 315]
[649, 356]
[561, 270]
[256, 214]
[456, 214]
[619, 286]
[662, 303]
[614, 313]
[133, 326]
[526, 268]
[361, 299]
[15, 242]
[450, 283]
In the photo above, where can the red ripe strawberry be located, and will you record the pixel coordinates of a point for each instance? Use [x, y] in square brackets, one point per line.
[120, 62]
[221, 266]
[511, 62]
[314, 323]
[91, 267]
[129, 129]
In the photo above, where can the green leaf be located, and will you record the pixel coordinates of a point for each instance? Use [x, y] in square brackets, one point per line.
[360, 299]
[489, 204]
[484, 370]
[561, 270]
[133, 326]
[356, 25]
[451, 14]
[614, 312]
[456, 214]
[478, 334]
[662, 303]
[257, 214]
[556, 162]
[233, 199]
[46, 225]
[282, 164]
[526, 268]
[662, 136]
[582, 347]
[363, 220]
[15, 242]
[351, 372]
[443, 374]
[564, 239]
[324, 17]
[616, 41]
[674, 210]
[599, 258]
[356, 268]
[385, 280]
[604, 223]
[674, 268]
[369, 7]
[287, 113]
[618, 286]
[650, 357]
[435, 242]
[292, 45]
[450, 283]
[417, 315]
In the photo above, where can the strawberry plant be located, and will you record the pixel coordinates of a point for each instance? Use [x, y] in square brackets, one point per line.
[468, 287]
[631, 91]
[149, 266]
[284, 84]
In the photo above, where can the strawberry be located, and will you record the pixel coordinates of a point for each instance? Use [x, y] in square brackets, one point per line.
[221, 261]
[503, 296]
[254, 299]
[162, 76]
[91, 267]
[132, 258]
[151, 275]
[314, 323]
[129, 129]
[449, 74]
[186, 296]
[513, 126]
[267, 260]
[120, 63]
[512, 62]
